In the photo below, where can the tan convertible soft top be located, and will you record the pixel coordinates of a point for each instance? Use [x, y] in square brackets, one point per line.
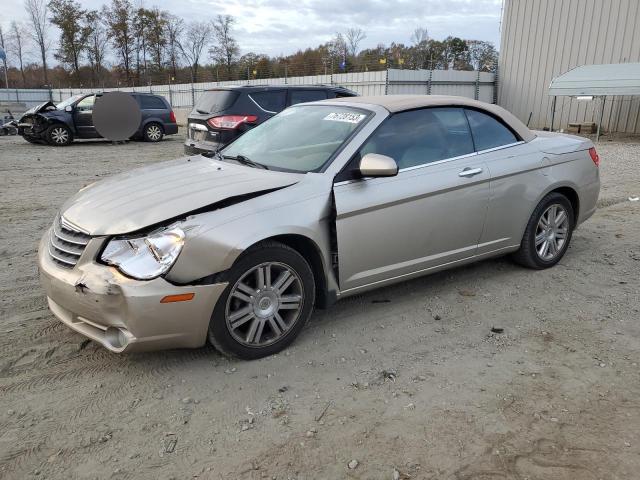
[399, 103]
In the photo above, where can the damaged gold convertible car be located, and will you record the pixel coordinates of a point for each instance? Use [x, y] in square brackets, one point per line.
[324, 200]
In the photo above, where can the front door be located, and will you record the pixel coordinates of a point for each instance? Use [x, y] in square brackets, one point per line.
[83, 117]
[432, 213]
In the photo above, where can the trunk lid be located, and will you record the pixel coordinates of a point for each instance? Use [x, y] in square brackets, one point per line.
[149, 195]
[559, 143]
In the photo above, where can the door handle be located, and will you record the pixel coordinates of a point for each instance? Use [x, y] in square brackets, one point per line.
[470, 172]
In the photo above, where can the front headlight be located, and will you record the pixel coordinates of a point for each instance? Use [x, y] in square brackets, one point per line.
[146, 257]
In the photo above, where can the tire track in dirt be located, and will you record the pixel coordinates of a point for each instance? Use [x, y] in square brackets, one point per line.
[17, 461]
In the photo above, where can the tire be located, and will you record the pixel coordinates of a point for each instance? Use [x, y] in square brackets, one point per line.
[250, 322]
[532, 253]
[35, 141]
[59, 135]
[153, 132]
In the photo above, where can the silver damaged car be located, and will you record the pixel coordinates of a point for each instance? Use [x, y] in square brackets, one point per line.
[323, 201]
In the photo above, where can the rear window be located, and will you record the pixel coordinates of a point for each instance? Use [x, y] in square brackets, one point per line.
[302, 96]
[271, 101]
[151, 103]
[215, 101]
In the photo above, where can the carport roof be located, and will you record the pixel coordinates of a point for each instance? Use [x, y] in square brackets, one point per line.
[598, 80]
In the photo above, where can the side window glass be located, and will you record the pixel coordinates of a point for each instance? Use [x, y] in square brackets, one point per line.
[86, 104]
[302, 96]
[270, 101]
[423, 136]
[488, 132]
[151, 103]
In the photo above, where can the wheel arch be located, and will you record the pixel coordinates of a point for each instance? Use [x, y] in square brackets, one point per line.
[312, 254]
[149, 120]
[55, 122]
[572, 196]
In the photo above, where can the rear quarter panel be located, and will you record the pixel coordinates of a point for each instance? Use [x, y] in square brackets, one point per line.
[522, 177]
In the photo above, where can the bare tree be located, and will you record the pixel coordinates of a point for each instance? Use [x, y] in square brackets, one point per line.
[196, 38]
[353, 37]
[37, 14]
[17, 43]
[96, 43]
[420, 35]
[175, 28]
[337, 50]
[226, 49]
[4, 58]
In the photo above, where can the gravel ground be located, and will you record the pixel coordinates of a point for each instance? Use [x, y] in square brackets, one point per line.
[406, 382]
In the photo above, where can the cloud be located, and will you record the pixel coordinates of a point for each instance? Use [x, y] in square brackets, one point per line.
[283, 26]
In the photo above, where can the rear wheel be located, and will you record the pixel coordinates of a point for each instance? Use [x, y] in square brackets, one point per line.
[153, 132]
[269, 299]
[59, 135]
[548, 233]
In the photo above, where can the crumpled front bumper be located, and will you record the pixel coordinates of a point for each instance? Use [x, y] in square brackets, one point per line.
[123, 314]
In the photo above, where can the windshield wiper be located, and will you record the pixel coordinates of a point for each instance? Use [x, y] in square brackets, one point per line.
[202, 112]
[245, 161]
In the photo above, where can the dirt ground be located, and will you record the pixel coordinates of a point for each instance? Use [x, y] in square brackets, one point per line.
[406, 382]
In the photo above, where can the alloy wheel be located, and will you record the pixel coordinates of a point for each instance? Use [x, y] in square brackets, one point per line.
[264, 304]
[154, 133]
[59, 135]
[551, 232]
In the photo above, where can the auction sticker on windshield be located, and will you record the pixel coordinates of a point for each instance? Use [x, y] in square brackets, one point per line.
[345, 117]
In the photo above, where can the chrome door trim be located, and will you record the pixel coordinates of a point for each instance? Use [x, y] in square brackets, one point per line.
[438, 162]
[500, 147]
[258, 105]
[409, 169]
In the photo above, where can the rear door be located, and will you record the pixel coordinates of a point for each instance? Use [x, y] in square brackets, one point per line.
[432, 213]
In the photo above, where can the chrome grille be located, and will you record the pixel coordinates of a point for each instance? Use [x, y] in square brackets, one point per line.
[66, 243]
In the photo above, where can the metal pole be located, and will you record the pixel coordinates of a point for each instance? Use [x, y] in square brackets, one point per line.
[477, 89]
[386, 82]
[6, 81]
[604, 99]
[553, 112]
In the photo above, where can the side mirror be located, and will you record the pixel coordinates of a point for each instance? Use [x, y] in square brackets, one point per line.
[68, 108]
[376, 165]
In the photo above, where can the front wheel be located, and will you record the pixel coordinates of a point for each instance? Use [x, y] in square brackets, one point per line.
[153, 132]
[548, 233]
[59, 135]
[268, 301]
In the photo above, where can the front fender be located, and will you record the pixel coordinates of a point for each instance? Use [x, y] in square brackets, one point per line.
[216, 239]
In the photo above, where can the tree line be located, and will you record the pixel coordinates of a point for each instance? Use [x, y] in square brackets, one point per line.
[124, 45]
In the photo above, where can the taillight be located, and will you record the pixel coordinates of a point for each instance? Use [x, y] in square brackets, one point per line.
[594, 156]
[172, 117]
[231, 122]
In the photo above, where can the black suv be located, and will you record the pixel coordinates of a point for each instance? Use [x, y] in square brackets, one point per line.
[59, 124]
[223, 114]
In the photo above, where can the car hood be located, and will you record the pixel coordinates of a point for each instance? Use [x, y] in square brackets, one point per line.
[154, 194]
[43, 107]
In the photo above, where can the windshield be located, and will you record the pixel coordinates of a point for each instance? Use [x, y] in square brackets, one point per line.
[68, 101]
[299, 139]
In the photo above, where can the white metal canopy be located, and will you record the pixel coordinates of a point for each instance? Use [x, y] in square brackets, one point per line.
[598, 80]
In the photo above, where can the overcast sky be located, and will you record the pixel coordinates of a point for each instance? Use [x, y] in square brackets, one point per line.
[284, 26]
